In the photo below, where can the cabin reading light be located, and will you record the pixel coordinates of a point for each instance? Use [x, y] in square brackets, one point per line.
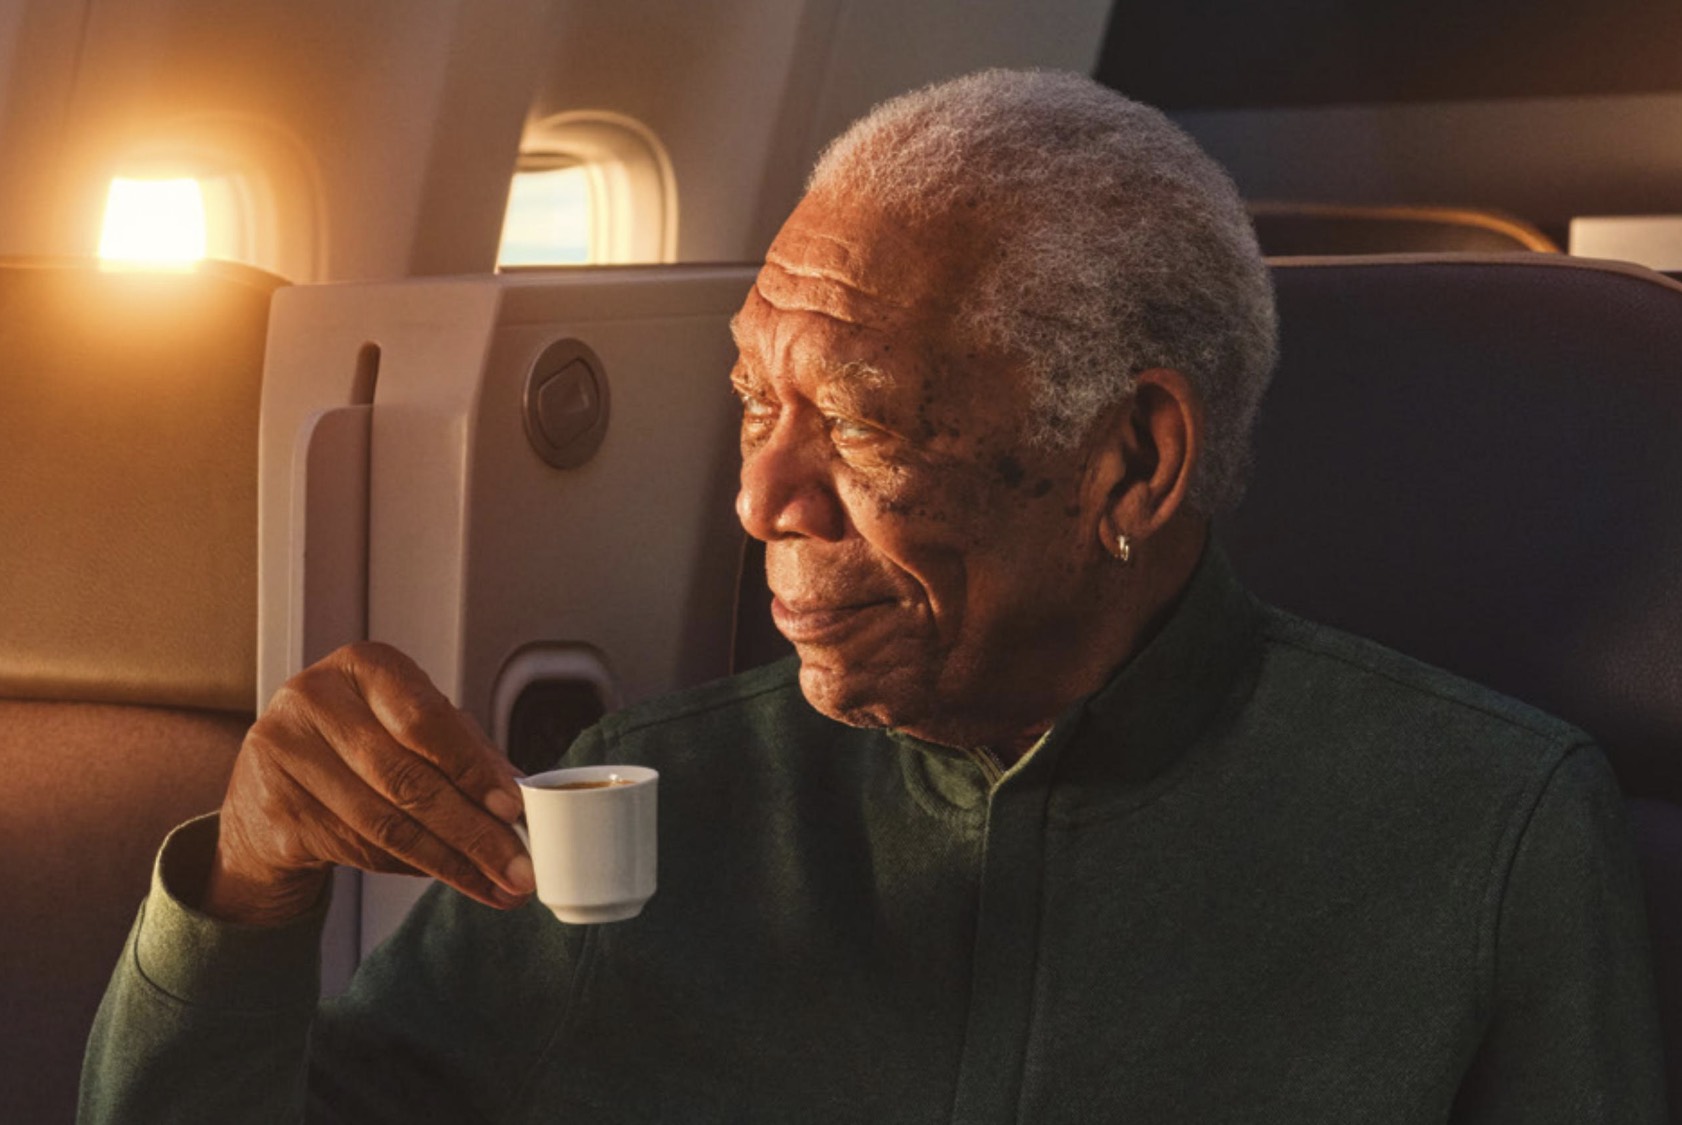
[153, 221]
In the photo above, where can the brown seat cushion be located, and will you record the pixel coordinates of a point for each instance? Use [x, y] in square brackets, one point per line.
[88, 791]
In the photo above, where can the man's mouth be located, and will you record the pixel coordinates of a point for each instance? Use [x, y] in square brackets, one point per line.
[813, 623]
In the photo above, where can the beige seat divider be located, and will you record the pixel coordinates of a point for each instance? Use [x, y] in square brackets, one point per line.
[532, 594]
[128, 531]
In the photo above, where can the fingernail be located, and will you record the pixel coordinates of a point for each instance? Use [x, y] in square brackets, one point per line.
[504, 805]
[519, 874]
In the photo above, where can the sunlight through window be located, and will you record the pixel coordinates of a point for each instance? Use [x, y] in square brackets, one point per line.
[154, 221]
[548, 220]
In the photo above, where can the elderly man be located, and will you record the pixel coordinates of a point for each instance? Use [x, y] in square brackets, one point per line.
[1049, 822]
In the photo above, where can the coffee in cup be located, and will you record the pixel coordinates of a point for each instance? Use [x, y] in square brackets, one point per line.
[591, 834]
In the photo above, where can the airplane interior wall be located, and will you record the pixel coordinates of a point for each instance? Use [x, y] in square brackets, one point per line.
[744, 93]
[1543, 159]
[391, 127]
[385, 133]
[1545, 108]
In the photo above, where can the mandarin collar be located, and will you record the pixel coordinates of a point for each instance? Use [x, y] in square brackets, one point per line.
[1139, 723]
[1159, 702]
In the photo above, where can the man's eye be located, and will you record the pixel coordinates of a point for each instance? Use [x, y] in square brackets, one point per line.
[754, 407]
[849, 431]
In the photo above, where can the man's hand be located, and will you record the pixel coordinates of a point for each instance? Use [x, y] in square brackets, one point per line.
[360, 760]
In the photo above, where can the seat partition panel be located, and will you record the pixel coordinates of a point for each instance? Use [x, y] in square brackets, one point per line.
[482, 553]
[128, 477]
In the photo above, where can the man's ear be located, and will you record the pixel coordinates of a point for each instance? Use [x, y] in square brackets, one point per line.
[1151, 454]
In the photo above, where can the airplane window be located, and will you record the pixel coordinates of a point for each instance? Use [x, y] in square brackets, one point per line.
[548, 218]
[177, 219]
[594, 187]
[155, 221]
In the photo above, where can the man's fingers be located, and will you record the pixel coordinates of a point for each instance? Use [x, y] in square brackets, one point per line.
[417, 716]
[358, 825]
[359, 759]
[416, 799]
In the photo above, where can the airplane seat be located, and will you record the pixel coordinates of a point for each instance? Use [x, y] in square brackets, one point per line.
[128, 534]
[1301, 228]
[1477, 460]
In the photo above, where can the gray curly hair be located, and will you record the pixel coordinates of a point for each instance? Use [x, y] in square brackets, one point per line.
[1120, 246]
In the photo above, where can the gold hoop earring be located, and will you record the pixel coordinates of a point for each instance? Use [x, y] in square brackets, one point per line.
[1123, 548]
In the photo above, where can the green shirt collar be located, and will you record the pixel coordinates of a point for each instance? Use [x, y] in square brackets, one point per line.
[1141, 721]
[1157, 705]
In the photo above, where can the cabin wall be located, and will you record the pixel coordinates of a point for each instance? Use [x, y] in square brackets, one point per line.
[385, 132]
[1543, 159]
[745, 93]
[38, 46]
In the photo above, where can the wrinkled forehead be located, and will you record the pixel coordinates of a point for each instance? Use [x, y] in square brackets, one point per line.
[855, 266]
[858, 273]
[803, 327]
[861, 312]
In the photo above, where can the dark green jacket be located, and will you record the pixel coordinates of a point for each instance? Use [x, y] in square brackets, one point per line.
[1269, 874]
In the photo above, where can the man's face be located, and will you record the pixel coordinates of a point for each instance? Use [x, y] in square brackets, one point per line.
[926, 565]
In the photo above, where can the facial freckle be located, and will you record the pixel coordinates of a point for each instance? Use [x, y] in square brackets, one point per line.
[1041, 487]
[888, 506]
[1010, 470]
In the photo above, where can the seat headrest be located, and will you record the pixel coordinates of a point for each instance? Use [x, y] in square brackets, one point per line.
[128, 482]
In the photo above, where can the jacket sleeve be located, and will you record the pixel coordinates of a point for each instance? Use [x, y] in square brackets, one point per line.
[1572, 1031]
[202, 1020]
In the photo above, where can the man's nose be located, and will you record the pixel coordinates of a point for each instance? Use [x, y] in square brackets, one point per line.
[788, 485]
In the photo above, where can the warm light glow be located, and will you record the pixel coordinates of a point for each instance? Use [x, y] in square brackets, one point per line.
[158, 221]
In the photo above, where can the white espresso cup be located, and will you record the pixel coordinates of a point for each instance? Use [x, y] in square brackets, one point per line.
[591, 834]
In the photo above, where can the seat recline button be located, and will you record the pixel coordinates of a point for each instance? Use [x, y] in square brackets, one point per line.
[566, 404]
